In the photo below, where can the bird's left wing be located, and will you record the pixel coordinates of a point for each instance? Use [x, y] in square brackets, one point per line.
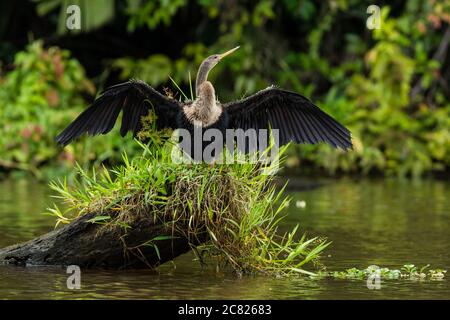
[296, 118]
[135, 98]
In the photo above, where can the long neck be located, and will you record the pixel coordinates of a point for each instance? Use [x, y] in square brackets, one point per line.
[204, 110]
[202, 76]
[206, 97]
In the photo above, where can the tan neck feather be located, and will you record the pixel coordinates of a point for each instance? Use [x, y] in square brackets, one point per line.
[207, 94]
[204, 110]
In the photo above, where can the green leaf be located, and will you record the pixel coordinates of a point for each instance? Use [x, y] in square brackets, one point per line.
[97, 219]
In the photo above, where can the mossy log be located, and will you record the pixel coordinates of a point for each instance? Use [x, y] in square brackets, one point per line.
[85, 244]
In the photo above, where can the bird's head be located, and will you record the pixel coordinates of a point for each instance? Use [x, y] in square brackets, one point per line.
[214, 59]
[207, 65]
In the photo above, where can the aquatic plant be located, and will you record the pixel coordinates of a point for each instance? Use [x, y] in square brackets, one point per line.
[230, 213]
[407, 271]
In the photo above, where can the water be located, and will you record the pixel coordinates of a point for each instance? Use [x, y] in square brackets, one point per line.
[383, 222]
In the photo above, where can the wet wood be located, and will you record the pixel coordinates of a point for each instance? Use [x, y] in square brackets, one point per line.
[80, 243]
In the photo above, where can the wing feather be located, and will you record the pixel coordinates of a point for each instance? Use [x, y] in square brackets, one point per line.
[297, 118]
[135, 99]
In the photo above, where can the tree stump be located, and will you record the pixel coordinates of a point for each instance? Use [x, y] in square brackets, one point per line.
[80, 243]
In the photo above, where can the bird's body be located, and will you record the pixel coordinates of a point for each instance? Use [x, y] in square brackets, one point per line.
[296, 118]
[205, 110]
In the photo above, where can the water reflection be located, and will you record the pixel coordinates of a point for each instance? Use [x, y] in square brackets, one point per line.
[385, 222]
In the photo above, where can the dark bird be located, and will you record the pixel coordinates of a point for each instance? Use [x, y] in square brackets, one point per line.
[297, 118]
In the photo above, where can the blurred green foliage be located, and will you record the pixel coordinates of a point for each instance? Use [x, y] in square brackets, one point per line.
[100, 12]
[396, 131]
[38, 99]
[388, 85]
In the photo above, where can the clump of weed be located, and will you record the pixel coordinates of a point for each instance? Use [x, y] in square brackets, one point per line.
[407, 271]
[229, 212]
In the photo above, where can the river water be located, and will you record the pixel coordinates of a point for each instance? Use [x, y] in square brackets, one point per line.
[370, 222]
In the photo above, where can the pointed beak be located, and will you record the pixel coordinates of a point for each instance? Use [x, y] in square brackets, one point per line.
[223, 55]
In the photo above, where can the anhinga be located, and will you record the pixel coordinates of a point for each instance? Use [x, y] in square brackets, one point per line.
[297, 118]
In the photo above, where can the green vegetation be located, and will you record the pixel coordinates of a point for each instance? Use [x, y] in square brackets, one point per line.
[408, 271]
[39, 98]
[236, 207]
[399, 113]
[388, 85]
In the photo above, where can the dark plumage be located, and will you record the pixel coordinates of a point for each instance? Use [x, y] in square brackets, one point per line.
[297, 118]
[134, 98]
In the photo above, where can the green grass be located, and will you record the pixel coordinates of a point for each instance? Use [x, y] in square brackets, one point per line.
[236, 207]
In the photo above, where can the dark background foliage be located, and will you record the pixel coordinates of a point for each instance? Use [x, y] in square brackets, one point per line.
[390, 86]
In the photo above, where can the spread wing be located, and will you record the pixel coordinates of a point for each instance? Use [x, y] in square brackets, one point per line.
[297, 118]
[135, 98]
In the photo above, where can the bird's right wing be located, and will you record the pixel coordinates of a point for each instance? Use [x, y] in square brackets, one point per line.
[135, 98]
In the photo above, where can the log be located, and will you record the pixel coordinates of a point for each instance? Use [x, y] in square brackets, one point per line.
[83, 243]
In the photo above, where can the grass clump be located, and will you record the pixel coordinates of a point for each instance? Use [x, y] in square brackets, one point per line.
[230, 213]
